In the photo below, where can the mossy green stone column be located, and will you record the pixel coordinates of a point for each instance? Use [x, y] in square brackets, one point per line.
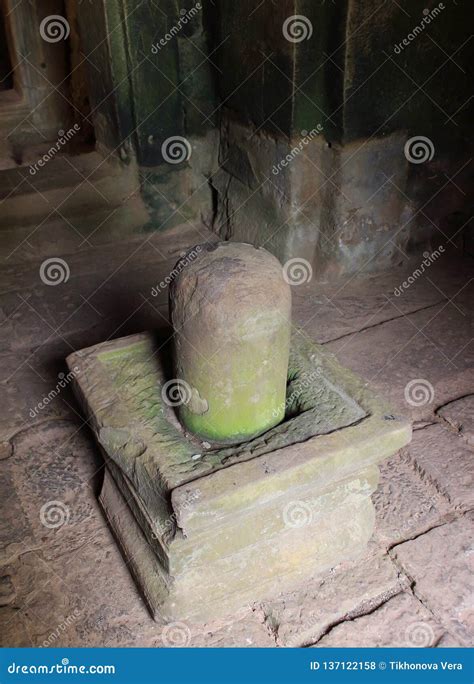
[231, 312]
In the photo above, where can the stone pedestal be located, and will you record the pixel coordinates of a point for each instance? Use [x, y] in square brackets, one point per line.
[207, 530]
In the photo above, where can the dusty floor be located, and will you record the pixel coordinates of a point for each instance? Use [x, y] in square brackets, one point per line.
[63, 581]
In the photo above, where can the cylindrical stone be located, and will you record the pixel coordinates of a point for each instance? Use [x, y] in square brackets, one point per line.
[231, 313]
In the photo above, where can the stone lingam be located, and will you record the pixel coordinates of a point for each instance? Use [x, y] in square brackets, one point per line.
[231, 313]
[263, 476]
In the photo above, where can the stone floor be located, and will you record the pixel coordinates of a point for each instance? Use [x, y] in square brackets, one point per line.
[63, 581]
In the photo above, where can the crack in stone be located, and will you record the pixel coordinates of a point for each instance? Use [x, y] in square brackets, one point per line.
[413, 585]
[387, 320]
[361, 611]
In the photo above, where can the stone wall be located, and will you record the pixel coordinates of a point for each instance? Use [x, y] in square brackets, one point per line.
[373, 75]
[292, 132]
[154, 101]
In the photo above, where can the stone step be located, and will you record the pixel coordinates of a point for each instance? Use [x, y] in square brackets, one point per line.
[74, 231]
[34, 208]
[148, 256]
[72, 202]
[60, 172]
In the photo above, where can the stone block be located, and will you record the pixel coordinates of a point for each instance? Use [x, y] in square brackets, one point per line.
[405, 503]
[240, 521]
[443, 459]
[301, 617]
[401, 622]
[460, 415]
[202, 594]
[445, 588]
[210, 538]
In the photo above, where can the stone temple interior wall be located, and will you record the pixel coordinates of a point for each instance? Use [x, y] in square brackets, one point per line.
[318, 114]
[334, 132]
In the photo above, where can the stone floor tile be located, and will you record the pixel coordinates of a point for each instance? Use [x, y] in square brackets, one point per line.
[401, 622]
[332, 310]
[301, 617]
[460, 415]
[243, 632]
[405, 503]
[55, 472]
[441, 565]
[443, 459]
[417, 362]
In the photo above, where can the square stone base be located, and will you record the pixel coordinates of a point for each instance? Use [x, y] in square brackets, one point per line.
[223, 585]
[206, 530]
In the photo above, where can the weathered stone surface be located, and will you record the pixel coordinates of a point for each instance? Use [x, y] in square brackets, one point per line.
[26, 382]
[100, 263]
[361, 204]
[445, 461]
[434, 346]
[327, 311]
[440, 563]
[233, 581]
[460, 415]
[65, 600]
[241, 632]
[301, 617]
[211, 537]
[405, 503]
[401, 622]
[16, 534]
[448, 641]
[92, 566]
[231, 312]
[119, 383]
[53, 472]
[7, 592]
